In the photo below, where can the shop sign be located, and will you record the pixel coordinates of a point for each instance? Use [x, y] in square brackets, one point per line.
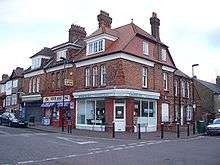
[68, 82]
[56, 98]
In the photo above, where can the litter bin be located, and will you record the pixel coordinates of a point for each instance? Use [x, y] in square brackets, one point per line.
[201, 126]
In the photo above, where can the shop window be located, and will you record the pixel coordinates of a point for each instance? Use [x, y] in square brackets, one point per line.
[91, 112]
[137, 108]
[144, 109]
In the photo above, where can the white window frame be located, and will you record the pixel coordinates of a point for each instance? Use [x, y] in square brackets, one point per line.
[8, 101]
[189, 113]
[176, 87]
[13, 99]
[87, 77]
[61, 53]
[165, 81]
[15, 83]
[96, 46]
[145, 48]
[165, 112]
[144, 77]
[34, 85]
[38, 84]
[164, 54]
[30, 85]
[188, 86]
[183, 90]
[103, 75]
[94, 76]
[36, 62]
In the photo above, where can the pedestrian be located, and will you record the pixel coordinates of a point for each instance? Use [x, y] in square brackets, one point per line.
[69, 123]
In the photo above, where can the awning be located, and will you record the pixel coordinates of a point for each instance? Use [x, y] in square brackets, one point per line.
[47, 105]
[60, 104]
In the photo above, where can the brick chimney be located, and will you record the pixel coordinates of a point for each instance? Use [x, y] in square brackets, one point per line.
[218, 80]
[4, 76]
[104, 19]
[155, 26]
[76, 34]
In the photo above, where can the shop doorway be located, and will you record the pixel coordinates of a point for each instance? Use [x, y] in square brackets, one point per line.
[119, 116]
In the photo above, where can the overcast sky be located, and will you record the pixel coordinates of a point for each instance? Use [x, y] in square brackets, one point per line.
[191, 28]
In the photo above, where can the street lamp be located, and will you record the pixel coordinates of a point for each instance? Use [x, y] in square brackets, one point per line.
[193, 97]
[66, 61]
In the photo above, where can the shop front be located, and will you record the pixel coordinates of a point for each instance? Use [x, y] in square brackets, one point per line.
[55, 109]
[98, 110]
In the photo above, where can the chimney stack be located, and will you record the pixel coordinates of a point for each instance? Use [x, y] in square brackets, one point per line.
[77, 34]
[218, 80]
[4, 76]
[155, 26]
[104, 19]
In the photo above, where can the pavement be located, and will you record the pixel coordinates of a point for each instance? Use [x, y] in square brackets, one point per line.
[168, 135]
[32, 146]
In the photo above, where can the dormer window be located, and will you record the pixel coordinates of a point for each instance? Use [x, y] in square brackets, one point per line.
[95, 47]
[164, 54]
[61, 53]
[36, 63]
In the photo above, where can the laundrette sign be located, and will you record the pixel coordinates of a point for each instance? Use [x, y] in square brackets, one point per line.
[56, 98]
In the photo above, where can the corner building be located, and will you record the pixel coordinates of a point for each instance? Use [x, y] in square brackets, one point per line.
[123, 75]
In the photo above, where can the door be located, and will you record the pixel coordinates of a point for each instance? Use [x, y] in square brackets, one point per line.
[119, 117]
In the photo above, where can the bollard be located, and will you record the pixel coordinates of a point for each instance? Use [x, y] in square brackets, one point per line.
[162, 130]
[113, 130]
[194, 127]
[178, 130]
[188, 124]
[139, 131]
[62, 123]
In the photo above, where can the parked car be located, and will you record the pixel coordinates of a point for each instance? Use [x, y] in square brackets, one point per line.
[10, 120]
[214, 128]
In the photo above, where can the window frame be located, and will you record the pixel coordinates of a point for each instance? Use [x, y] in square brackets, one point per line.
[145, 48]
[165, 81]
[144, 77]
[87, 77]
[103, 75]
[164, 54]
[95, 76]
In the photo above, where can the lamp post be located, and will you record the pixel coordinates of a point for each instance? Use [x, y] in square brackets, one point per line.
[64, 71]
[193, 97]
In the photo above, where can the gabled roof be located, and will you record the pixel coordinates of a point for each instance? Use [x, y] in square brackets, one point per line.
[44, 52]
[102, 30]
[213, 87]
[181, 74]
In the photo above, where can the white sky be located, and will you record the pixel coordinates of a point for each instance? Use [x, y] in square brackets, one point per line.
[191, 28]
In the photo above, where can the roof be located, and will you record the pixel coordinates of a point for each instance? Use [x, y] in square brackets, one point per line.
[18, 72]
[181, 74]
[213, 87]
[5, 80]
[44, 52]
[126, 34]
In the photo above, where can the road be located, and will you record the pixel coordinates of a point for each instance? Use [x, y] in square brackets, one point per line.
[28, 146]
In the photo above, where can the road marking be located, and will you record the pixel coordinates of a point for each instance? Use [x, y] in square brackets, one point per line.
[94, 149]
[77, 142]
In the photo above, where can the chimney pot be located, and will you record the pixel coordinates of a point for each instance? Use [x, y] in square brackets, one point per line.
[218, 80]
